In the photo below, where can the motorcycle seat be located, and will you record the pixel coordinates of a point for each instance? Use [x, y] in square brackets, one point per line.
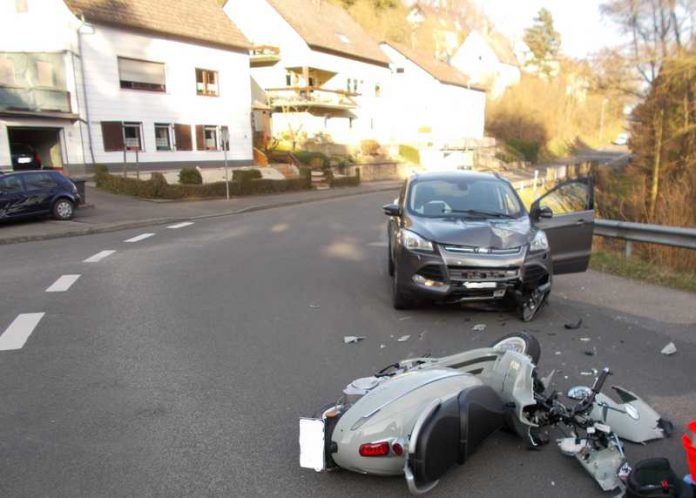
[454, 430]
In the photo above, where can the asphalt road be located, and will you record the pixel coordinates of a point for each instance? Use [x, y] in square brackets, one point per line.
[179, 365]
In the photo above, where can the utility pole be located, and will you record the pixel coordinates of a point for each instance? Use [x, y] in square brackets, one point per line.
[225, 145]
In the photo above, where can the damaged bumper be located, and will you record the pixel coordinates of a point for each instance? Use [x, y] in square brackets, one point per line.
[461, 274]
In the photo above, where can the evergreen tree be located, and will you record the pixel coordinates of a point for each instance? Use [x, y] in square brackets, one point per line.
[543, 41]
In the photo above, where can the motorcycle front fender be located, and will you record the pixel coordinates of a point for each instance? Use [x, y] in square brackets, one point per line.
[633, 420]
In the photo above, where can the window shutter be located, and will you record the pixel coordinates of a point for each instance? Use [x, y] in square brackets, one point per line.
[182, 134]
[112, 133]
[200, 137]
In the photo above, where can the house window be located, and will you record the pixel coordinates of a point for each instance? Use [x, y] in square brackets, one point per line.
[207, 82]
[163, 136]
[7, 74]
[141, 75]
[21, 6]
[132, 136]
[399, 70]
[224, 138]
[44, 74]
[210, 136]
[378, 90]
[348, 82]
[288, 79]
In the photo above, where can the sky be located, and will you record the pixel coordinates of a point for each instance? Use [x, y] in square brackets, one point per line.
[583, 29]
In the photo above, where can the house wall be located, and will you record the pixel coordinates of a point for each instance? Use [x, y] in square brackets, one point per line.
[58, 34]
[425, 110]
[179, 104]
[263, 25]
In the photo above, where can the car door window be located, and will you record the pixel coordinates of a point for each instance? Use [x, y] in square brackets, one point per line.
[39, 181]
[569, 198]
[11, 185]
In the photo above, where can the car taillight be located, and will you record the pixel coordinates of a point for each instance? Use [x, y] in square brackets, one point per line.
[374, 449]
[37, 157]
[397, 449]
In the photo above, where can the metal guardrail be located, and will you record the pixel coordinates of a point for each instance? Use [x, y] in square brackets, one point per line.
[642, 232]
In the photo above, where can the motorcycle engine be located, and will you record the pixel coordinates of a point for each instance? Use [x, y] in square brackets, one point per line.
[359, 388]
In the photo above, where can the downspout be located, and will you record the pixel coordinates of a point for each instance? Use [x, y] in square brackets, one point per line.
[77, 99]
[84, 89]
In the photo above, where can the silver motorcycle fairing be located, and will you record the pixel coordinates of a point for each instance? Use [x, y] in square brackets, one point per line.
[389, 412]
[645, 428]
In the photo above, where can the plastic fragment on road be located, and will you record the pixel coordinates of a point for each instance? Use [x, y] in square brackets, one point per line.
[314, 306]
[403, 318]
[669, 349]
[382, 346]
[586, 374]
[584, 339]
[403, 338]
[479, 327]
[573, 326]
[352, 339]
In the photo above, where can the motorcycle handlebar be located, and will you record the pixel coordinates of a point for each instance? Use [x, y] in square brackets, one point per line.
[599, 382]
[586, 404]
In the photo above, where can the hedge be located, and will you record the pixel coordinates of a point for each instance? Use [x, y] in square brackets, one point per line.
[346, 181]
[190, 176]
[244, 175]
[158, 188]
[314, 159]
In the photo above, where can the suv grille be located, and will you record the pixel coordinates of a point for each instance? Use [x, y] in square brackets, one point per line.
[483, 250]
[483, 274]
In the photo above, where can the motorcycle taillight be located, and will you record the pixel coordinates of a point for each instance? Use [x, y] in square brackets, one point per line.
[374, 449]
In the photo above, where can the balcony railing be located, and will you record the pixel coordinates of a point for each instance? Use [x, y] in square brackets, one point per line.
[264, 55]
[310, 97]
[34, 99]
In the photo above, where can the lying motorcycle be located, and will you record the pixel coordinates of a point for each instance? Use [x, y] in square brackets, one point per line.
[422, 416]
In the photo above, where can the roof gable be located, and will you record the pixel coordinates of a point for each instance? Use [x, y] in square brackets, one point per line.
[329, 28]
[200, 21]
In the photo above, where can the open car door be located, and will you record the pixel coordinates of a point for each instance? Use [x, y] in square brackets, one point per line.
[566, 214]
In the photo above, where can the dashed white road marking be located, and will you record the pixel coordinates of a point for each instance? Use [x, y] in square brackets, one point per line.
[99, 256]
[63, 283]
[140, 237]
[378, 244]
[19, 331]
[181, 225]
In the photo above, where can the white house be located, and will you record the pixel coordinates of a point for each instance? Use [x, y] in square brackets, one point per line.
[430, 101]
[317, 70]
[489, 60]
[97, 82]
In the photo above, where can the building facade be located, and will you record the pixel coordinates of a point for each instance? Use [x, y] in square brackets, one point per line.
[104, 87]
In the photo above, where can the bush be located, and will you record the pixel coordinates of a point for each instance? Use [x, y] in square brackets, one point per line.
[369, 147]
[190, 176]
[528, 148]
[314, 160]
[245, 175]
[409, 153]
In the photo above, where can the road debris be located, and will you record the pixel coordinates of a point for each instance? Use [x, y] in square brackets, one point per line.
[404, 318]
[584, 339]
[421, 335]
[479, 327]
[403, 338]
[573, 326]
[558, 353]
[382, 346]
[589, 353]
[314, 306]
[586, 374]
[352, 339]
[669, 349]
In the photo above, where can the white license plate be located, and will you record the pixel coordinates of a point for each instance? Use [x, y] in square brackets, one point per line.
[480, 285]
[312, 444]
[24, 160]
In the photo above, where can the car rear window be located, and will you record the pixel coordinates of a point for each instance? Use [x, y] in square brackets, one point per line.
[21, 149]
[452, 197]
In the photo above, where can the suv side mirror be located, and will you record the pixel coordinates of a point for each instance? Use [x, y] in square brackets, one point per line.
[537, 212]
[392, 210]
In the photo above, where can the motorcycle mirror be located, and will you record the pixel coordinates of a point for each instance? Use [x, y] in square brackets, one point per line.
[579, 392]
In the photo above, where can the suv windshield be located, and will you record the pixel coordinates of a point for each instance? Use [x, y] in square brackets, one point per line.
[474, 197]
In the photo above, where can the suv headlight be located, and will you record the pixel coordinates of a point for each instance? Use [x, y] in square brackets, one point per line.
[415, 242]
[540, 242]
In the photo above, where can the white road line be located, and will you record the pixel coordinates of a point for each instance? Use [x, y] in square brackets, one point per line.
[140, 237]
[19, 331]
[99, 256]
[181, 225]
[63, 283]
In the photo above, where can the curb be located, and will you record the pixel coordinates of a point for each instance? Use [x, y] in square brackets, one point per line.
[124, 225]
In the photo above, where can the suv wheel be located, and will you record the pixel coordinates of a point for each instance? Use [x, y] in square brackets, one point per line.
[63, 209]
[400, 300]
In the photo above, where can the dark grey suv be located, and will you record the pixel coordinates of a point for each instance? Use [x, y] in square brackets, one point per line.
[463, 236]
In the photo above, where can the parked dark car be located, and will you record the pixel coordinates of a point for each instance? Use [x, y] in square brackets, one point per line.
[37, 193]
[462, 236]
[24, 157]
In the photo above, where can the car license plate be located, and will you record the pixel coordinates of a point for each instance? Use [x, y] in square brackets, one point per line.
[480, 285]
[24, 160]
[312, 444]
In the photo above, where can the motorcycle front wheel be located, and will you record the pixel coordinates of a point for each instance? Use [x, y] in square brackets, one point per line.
[520, 342]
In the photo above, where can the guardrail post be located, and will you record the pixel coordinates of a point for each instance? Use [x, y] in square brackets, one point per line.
[536, 179]
[628, 249]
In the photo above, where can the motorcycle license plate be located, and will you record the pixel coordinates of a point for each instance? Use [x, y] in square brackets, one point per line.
[312, 444]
